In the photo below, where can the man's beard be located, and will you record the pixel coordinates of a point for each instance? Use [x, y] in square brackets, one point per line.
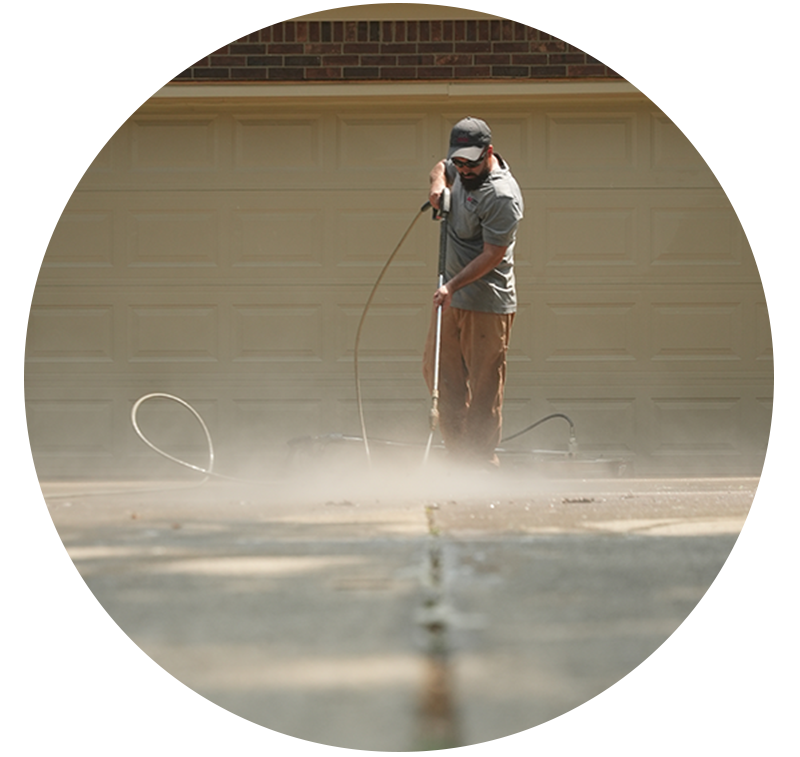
[476, 181]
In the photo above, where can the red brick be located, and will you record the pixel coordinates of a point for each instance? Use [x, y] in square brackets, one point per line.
[248, 49]
[301, 60]
[531, 59]
[265, 60]
[249, 74]
[378, 60]
[571, 58]
[435, 47]
[339, 60]
[453, 60]
[510, 47]
[211, 73]
[435, 72]
[321, 48]
[285, 74]
[398, 48]
[492, 60]
[548, 72]
[361, 48]
[399, 72]
[473, 47]
[284, 48]
[326, 73]
[581, 71]
[554, 46]
[415, 60]
[472, 72]
[360, 73]
[228, 60]
[510, 71]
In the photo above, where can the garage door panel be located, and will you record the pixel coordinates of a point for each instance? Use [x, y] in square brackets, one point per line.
[581, 235]
[174, 143]
[670, 151]
[278, 238]
[72, 333]
[169, 333]
[382, 142]
[365, 235]
[696, 331]
[278, 333]
[394, 331]
[71, 428]
[277, 144]
[176, 238]
[702, 234]
[590, 141]
[83, 239]
[590, 330]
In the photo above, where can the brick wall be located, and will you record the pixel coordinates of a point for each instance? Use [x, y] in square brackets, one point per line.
[397, 51]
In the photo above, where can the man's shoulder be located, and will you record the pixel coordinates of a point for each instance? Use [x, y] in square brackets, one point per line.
[501, 188]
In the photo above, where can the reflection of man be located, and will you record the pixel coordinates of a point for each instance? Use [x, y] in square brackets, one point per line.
[478, 297]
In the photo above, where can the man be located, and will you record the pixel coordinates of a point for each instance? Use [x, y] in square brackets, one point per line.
[478, 297]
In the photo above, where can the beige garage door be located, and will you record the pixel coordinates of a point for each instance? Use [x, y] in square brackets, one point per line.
[222, 251]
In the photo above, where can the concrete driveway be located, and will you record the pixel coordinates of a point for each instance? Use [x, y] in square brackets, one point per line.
[400, 611]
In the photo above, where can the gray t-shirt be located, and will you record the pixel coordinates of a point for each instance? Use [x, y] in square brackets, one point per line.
[491, 214]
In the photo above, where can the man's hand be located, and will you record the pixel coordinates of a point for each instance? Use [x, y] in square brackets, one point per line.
[442, 297]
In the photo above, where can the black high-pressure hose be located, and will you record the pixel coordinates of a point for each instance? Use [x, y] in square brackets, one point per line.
[386, 265]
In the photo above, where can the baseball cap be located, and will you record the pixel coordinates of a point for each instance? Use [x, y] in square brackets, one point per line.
[469, 138]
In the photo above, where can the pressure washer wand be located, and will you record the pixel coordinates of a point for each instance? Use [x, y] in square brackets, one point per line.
[441, 214]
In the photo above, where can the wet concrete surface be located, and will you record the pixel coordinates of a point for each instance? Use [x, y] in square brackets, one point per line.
[398, 614]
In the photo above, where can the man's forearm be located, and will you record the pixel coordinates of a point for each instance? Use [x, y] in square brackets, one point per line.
[438, 181]
[490, 258]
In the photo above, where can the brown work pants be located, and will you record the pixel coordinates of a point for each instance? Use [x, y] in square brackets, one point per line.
[472, 373]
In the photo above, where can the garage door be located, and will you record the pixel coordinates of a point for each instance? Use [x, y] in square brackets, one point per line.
[222, 250]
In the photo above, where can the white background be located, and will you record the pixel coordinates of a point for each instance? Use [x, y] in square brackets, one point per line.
[724, 683]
